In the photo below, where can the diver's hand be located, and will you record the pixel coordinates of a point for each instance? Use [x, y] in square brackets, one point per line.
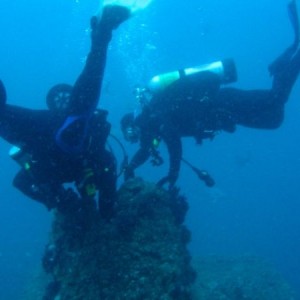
[170, 180]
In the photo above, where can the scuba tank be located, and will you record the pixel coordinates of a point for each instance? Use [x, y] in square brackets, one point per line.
[225, 69]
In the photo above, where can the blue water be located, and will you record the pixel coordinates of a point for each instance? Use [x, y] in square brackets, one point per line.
[254, 207]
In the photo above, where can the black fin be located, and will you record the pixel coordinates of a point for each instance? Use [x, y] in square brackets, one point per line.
[293, 14]
[2, 94]
[288, 54]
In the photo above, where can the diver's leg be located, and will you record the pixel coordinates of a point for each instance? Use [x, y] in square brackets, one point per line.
[28, 185]
[265, 108]
[250, 108]
[87, 88]
[52, 195]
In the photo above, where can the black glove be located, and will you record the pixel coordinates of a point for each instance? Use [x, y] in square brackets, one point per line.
[128, 173]
[170, 179]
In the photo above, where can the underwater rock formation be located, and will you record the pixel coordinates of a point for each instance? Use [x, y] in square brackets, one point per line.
[141, 253]
[239, 278]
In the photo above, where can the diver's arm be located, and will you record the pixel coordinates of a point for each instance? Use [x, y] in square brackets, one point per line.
[138, 159]
[174, 146]
[141, 156]
[86, 91]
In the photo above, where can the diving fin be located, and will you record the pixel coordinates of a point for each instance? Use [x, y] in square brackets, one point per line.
[294, 19]
[132, 5]
[115, 15]
[109, 18]
[2, 95]
[288, 54]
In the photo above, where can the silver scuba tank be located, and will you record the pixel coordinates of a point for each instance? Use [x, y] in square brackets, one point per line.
[225, 69]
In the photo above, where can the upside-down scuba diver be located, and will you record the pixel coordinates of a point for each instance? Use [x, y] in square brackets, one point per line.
[67, 144]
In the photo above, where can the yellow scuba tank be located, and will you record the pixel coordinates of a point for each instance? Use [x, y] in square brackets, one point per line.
[225, 69]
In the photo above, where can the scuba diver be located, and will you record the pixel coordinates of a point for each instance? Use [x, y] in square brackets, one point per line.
[192, 103]
[93, 172]
[66, 143]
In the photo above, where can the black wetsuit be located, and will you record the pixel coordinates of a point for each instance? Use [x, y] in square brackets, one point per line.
[95, 165]
[62, 145]
[196, 106]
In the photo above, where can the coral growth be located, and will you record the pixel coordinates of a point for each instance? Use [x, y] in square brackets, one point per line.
[139, 254]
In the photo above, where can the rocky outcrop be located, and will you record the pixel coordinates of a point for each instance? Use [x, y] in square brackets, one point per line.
[141, 253]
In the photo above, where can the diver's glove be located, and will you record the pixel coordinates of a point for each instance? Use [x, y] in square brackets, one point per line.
[128, 173]
[170, 180]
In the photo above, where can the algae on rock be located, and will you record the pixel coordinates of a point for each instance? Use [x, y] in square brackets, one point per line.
[141, 253]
